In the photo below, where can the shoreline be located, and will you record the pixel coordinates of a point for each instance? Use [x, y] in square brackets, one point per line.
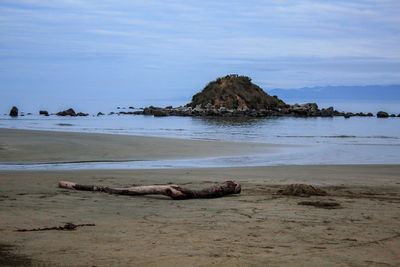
[39, 147]
[55, 150]
[149, 165]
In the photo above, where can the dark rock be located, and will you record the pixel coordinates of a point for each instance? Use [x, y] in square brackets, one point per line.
[81, 114]
[382, 114]
[297, 110]
[349, 114]
[398, 115]
[392, 115]
[127, 112]
[14, 112]
[100, 114]
[147, 111]
[159, 113]
[44, 112]
[327, 112]
[28, 113]
[311, 106]
[131, 107]
[302, 190]
[68, 112]
[369, 114]
[337, 113]
[111, 113]
[301, 110]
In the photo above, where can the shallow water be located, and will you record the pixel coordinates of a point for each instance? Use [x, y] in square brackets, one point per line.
[358, 140]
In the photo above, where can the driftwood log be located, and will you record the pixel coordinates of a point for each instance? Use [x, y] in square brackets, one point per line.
[173, 191]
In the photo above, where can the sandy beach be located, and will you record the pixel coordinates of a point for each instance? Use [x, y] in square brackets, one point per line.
[259, 227]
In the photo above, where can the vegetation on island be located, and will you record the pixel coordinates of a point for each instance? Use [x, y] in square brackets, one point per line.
[235, 92]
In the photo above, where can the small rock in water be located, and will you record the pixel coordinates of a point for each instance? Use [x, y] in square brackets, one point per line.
[68, 112]
[44, 112]
[14, 112]
[382, 114]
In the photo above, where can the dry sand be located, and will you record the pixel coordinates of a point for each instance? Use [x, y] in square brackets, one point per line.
[257, 227]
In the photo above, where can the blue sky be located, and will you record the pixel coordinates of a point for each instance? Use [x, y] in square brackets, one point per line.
[97, 52]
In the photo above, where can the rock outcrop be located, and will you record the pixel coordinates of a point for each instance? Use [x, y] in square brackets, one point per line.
[44, 112]
[71, 112]
[14, 112]
[382, 114]
[235, 92]
[237, 96]
[68, 112]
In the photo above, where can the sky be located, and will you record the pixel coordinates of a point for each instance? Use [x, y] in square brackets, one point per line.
[62, 53]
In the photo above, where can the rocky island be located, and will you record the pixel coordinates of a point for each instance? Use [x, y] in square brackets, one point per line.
[230, 96]
[236, 96]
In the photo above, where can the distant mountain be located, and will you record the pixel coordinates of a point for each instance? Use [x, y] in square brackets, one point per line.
[374, 93]
[235, 92]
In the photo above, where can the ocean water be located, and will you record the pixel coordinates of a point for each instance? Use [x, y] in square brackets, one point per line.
[358, 140]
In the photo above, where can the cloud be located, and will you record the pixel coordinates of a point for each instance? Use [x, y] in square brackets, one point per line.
[279, 43]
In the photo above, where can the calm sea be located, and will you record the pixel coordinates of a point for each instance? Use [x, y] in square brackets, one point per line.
[336, 140]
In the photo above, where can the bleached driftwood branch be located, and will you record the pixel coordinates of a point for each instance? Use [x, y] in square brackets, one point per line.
[173, 191]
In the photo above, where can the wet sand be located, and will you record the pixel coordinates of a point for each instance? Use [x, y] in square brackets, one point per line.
[27, 146]
[257, 227]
